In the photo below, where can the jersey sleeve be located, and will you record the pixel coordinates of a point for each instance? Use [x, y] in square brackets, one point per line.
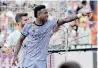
[53, 23]
[25, 30]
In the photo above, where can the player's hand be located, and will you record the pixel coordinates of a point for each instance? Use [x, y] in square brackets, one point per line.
[87, 13]
[15, 60]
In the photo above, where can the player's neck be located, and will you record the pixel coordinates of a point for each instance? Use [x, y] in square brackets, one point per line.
[38, 22]
[20, 27]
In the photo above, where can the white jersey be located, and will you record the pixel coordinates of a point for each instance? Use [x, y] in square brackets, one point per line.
[12, 39]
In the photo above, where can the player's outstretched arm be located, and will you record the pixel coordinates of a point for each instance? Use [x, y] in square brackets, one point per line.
[71, 18]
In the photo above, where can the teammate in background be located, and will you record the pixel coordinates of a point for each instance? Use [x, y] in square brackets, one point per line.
[12, 39]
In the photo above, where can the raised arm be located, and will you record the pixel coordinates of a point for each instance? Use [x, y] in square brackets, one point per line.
[71, 18]
[68, 19]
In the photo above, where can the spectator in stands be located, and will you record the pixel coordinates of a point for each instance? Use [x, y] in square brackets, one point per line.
[3, 21]
[83, 5]
[94, 19]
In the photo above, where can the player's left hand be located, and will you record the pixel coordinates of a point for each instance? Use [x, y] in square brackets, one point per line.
[86, 13]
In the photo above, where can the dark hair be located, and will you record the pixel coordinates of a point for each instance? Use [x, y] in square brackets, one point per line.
[84, 2]
[19, 16]
[38, 8]
[70, 64]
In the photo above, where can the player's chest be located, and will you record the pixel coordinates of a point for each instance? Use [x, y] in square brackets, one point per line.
[38, 30]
